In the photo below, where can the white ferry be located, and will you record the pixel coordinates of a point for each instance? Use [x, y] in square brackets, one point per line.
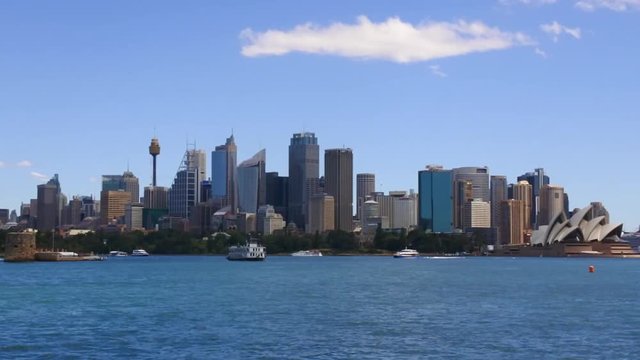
[117, 253]
[307, 253]
[139, 252]
[406, 254]
[251, 251]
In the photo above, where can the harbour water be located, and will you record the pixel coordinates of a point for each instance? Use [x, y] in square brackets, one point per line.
[321, 308]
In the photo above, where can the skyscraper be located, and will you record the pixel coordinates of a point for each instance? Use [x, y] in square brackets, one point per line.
[365, 185]
[511, 222]
[498, 193]
[224, 161]
[131, 185]
[277, 193]
[462, 194]
[435, 199]
[252, 183]
[321, 213]
[49, 201]
[537, 179]
[338, 172]
[551, 203]
[113, 205]
[185, 190]
[477, 215]
[522, 191]
[479, 177]
[304, 164]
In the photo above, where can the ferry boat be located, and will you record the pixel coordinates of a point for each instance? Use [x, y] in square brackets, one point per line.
[139, 252]
[406, 254]
[307, 253]
[117, 253]
[251, 251]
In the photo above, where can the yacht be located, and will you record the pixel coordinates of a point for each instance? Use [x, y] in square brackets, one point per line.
[406, 253]
[251, 251]
[117, 253]
[307, 253]
[139, 252]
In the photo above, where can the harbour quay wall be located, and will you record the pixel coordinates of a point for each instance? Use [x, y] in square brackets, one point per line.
[20, 247]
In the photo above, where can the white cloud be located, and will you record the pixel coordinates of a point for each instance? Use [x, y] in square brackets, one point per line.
[38, 176]
[556, 29]
[541, 53]
[392, 40]
[615, 5]
[24, 164]
[435, 70]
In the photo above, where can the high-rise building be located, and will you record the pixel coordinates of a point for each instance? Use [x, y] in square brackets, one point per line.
[477, 215]
[404, 212]
[4, 216]
[252, 183]
[511, 222]
[133, 215]
[462, 194]
[185, 190]
[113, 205]
[551, 203]
[277, 193]
[537, 179]
[224, 161]
[498, 194]
[435, 204]
[365, 186]
[131, 184]
[72, 214]
[156, 197]
[523, 191]
[49, 201]
[112, 183]
[304, 164]
[321, 213]
[479, 177]
[338, 172]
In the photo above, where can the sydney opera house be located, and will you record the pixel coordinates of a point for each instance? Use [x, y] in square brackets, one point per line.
[586, 233]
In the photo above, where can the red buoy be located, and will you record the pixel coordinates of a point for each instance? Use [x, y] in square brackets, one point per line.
[592, 268]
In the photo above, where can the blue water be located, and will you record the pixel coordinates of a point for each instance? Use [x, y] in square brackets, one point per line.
[321, 308]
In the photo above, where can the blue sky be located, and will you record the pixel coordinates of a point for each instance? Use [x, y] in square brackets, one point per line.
[510, 84]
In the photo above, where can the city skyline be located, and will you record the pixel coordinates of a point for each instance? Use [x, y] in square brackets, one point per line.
[91, 100]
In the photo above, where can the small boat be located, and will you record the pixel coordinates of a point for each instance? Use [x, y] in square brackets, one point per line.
[251, 251]
[307, 253]
[118, 253]
[139, 252]
[406, 254]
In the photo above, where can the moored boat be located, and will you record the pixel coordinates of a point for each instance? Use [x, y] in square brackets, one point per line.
[307, 253]
[251, 251]
[117, 253]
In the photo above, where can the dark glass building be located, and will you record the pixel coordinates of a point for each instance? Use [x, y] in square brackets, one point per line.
[435, 200]
[304, 164]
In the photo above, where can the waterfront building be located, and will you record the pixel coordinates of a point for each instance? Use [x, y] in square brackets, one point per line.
[551, 203]
[133, 216]
[338, 171]
[477, 215]
[321, 213]
[113, 205]
[537, 179]
[523, 191]
[268, 221]
[365, 186]
[404, 212]
[511, 222]
[223, 175]
[185, 190]
[48, 204]
[277, 193]
[304, 164]
[479, 177]
[251, 183]
[462, 194]
[435, 204]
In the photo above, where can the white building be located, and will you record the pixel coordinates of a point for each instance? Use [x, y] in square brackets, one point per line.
[477, 214]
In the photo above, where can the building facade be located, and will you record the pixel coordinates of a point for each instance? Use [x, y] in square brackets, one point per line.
[304, 164]
[551, 203]
[184, 193]
[511, 222]
[338, 170]
[435, 200]
[252, 189]
[321, 213]
[113, 205]
[224, 161]
[365, 186]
